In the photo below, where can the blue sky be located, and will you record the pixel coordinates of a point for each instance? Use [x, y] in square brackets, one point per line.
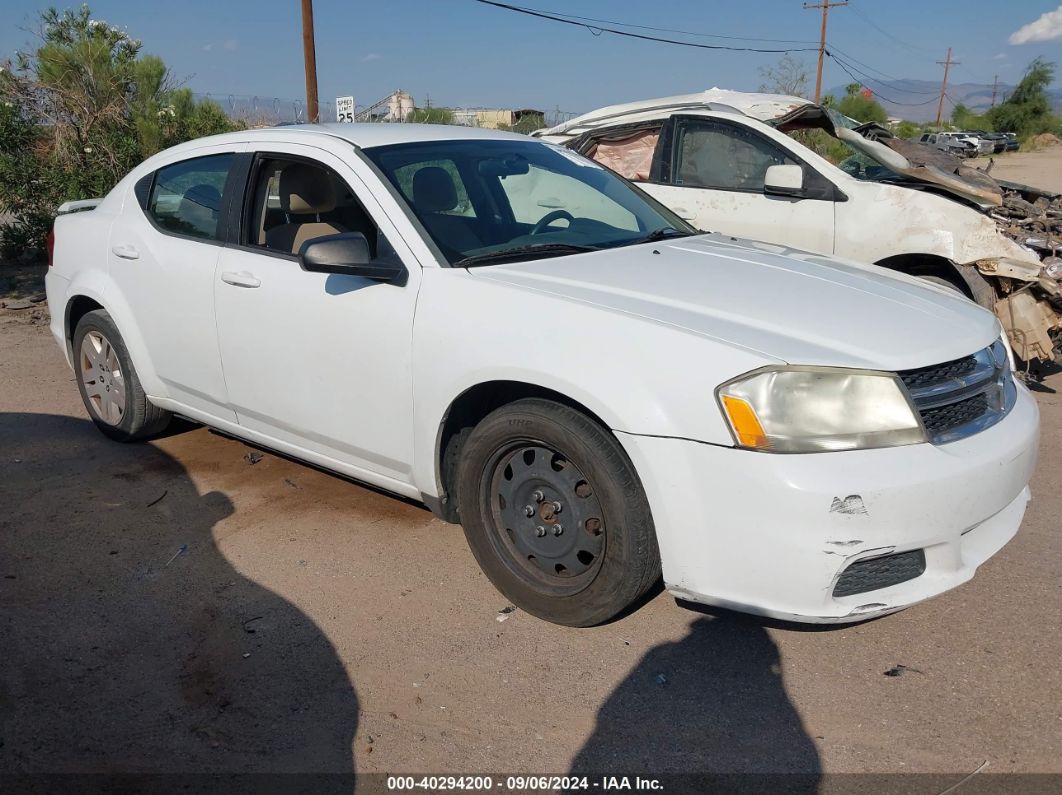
[462, 53]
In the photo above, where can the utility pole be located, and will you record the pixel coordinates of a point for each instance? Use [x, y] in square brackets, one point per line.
[995, 86]
[309, 55]
[946, 63]
[825, 5]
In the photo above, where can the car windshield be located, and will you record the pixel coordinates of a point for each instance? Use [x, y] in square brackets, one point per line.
[485, 201]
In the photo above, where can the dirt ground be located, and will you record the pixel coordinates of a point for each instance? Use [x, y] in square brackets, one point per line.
[173, 607]
[1042, 169]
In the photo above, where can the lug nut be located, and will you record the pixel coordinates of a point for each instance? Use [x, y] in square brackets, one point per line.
[557, 507]
[541, 531]
[538, 496]
[529, 510]
[558, 529]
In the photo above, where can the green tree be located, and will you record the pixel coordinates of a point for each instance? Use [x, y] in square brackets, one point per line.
[79, 112]
[1027, 111]
[432, 116]
[861, 108]
[966, 119]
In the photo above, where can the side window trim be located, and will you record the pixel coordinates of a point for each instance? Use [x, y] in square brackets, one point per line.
[144, 199]
[817, 186]
[243, 210]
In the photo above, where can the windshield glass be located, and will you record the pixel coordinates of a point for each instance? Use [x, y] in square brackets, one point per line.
[506, 199]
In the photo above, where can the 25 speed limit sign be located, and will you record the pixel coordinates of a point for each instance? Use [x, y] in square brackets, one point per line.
[345, 109]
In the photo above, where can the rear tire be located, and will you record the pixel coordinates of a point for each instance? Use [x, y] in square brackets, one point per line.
[108, 383]
[555, 513]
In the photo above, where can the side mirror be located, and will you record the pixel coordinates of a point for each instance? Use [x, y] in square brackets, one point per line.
[347, 254]
[784, 181]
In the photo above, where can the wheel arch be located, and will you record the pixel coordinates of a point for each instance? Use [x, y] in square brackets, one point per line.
[464, 412]
[84, 298]
[965, 277]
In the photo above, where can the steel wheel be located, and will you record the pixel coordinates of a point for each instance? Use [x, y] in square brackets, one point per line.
[102, 378]
[549, 526]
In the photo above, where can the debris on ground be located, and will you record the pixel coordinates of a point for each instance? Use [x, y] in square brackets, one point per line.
[251, 630]
[18, 303]
[291, 483]
[158, 499]
[900, 670]
[253, 458]
[661, 679]
[504, 613]
[183, 548]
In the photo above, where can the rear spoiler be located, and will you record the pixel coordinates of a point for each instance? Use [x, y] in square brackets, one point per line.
[78, 206]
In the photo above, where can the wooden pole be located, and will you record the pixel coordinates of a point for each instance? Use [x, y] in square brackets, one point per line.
[309, 55]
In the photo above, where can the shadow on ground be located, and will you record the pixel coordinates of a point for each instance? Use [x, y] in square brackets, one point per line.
[20, 281]
[712, 703]
[121, 656]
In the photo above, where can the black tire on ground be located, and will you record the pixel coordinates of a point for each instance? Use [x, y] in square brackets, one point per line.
[539, 447]
[138, 419]
[940, 281]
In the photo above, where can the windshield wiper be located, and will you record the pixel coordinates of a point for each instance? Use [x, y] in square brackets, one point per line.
[660, 234]
[516, 253]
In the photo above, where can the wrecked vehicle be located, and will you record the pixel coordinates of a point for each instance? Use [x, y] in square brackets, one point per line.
[727, 161]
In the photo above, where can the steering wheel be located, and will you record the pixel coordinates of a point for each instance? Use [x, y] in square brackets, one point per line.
[549, 218]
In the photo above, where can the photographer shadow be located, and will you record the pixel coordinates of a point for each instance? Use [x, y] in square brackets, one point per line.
[131, 646]
[708, 710]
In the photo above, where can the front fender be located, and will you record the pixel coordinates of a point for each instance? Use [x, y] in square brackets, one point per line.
[638, 376]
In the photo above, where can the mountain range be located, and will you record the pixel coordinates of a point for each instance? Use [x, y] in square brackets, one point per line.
[916, 100]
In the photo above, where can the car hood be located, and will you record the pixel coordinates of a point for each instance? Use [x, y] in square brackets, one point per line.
[786, 305]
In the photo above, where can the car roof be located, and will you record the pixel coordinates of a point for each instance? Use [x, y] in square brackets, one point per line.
[370, 134]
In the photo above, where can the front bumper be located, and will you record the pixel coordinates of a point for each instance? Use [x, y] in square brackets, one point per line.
[771, 534]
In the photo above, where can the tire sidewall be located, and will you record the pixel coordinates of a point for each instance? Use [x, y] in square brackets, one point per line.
[626, 514]
[101, 322]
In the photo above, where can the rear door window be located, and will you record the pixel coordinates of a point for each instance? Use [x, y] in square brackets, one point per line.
[186, 197]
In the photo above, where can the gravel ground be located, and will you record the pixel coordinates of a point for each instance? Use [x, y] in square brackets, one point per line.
[173, 607]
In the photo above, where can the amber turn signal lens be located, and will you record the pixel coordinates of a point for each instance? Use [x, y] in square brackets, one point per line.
[746, 425]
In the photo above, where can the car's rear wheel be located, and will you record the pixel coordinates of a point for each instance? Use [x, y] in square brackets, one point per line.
[108, 382]
[555, 514]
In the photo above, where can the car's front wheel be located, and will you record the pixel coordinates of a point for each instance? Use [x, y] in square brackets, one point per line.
[555, 513]
[108, 382]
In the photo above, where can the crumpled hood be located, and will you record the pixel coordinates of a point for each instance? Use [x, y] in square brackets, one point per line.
[801, 308]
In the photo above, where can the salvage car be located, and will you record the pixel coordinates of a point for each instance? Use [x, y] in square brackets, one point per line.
[726, 161]
[949, 144]
[529, 345]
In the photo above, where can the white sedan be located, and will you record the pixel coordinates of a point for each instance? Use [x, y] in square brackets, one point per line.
[535, 348]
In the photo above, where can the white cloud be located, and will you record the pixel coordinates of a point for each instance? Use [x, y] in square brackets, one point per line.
[208, 47]
[999, 57]
[372, 56]
[231, 44]
[1046, 28]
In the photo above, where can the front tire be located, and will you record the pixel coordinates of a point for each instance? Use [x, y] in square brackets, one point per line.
[555, 513]
[108, 382]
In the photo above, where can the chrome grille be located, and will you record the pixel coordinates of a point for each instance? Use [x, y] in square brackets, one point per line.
[962, 397]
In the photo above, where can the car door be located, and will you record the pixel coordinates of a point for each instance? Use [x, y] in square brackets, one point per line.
[317, 362]
[163, 251]
[711, 172]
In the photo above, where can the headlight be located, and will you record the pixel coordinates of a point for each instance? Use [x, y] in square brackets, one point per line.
[811, 410]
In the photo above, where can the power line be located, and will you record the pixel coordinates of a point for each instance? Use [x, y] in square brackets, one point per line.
[833, 53]
[883, 32]
[597, 30]
[883, 98]
[671, 30]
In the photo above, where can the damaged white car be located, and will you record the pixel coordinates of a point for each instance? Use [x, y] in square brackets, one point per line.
[724, 161]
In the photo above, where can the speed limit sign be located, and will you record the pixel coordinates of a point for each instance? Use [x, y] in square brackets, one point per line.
[345, 109]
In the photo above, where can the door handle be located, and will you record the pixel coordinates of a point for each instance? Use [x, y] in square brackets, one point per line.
[240, 279]
[125, 251]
